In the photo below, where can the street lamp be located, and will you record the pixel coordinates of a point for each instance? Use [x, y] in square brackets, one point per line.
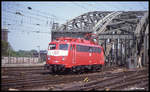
[39, 53]
[9, 55]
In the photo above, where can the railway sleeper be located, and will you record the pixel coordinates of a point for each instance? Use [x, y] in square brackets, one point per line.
[123, 83]
[101, 85]
[104, 82]
[127, 84]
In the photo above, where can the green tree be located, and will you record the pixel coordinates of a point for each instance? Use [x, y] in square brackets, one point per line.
[5, 48]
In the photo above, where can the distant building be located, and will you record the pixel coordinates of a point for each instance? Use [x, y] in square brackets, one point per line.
[4, 34]
[42, 54]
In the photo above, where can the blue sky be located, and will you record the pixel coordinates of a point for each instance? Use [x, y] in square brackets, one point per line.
[23, 27]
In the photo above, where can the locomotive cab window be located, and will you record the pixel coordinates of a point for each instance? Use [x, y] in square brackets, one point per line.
[63, 46]
[52, 46]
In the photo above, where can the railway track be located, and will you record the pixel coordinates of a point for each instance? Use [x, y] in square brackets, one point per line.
[28, 78]
[15, 78]
[118, 82]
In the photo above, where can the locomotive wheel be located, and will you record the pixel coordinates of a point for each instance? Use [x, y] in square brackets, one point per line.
[73, 69]
[78, 68]
[93, 68]
[54, 69]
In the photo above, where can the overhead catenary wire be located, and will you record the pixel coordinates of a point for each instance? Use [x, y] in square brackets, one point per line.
[39, 13]
[143, 6]
[116, 6]
[24, 30]
[25, 20]
[11, 21]
[22, 20]
[80, 6]
[31, 12]
[17, 13]
[27, 16]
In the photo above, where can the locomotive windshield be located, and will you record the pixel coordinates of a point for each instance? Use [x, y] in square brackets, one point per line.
[63, 46]
[52, 46]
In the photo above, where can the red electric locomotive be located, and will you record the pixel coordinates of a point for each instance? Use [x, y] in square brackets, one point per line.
[75, 54]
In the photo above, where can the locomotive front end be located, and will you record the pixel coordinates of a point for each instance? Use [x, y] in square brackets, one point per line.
[56, 57]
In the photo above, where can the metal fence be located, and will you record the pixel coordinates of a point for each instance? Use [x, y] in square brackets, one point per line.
[20, 60]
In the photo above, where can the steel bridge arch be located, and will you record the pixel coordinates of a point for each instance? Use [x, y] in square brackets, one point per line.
[106, 25]
[95, 21]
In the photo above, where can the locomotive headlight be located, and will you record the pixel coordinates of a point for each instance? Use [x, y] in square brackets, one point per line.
[49, 58]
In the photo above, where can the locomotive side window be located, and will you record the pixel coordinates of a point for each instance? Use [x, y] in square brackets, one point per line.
[52, 46]
[94, 49]
[82, 48]
[63, 46]
[99, 50]
[70, 47]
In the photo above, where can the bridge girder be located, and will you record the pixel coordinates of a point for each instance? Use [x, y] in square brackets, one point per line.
[111, 28]
[87, 22]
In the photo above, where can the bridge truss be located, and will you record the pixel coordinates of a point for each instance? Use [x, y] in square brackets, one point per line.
[124, 35]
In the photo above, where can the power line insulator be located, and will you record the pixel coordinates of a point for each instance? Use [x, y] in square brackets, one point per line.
[19, 13]
[29, 8]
